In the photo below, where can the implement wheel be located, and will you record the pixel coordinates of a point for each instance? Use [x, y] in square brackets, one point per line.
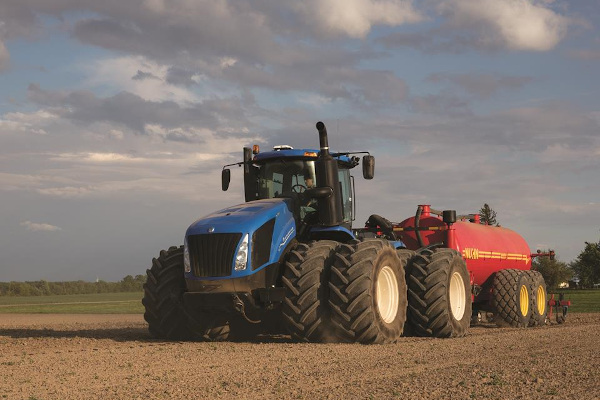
[163, 293]
[439, 294]
[512, 297]
[305, 277]
[539, 297]
[368, 292]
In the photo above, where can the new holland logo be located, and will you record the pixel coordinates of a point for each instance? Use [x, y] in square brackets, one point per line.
[286, 238]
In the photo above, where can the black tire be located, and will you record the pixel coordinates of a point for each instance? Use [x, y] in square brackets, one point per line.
[405, 256]
[208, 327]
[439, 294]
[361, 273]
[539, 299]
[512, 297]
[163, 293]
[306, 273]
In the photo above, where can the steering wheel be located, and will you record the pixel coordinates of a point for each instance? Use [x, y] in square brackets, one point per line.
[298, 188]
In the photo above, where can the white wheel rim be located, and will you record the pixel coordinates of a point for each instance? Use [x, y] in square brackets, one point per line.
[457, 296]
[388, 294]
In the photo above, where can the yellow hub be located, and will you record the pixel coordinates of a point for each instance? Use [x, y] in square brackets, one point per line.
[524, 300]
[541, 300]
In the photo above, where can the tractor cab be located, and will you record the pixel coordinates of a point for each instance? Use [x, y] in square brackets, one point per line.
[290, 173]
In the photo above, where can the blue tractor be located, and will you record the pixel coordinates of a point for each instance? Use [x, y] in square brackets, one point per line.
[285, 260]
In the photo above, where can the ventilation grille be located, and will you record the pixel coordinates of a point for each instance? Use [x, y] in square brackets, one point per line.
[261, 244]
[211, 255]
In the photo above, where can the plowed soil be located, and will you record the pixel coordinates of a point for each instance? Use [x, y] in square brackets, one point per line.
[113, 357]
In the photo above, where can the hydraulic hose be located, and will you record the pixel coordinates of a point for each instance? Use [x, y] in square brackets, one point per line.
[417, 221]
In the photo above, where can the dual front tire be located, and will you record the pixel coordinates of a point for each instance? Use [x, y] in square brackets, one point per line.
[352, 292]
[368, 292]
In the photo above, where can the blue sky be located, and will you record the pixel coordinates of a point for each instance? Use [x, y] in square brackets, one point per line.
[116, 117]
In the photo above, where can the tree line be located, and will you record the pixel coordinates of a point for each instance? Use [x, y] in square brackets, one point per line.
[583, 272]
[45, 288]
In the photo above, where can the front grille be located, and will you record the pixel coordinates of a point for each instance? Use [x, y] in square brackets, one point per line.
[212, 254]
[261, 244]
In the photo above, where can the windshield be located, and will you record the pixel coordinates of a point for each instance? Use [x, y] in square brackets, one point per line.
[281, 178]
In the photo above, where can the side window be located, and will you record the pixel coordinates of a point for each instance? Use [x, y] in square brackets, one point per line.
[344, 177]
[277, 184]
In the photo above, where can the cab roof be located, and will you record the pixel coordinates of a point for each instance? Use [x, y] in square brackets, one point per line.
[307, 154]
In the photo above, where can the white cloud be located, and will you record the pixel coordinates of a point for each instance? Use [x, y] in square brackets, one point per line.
[116, 133]
[356, 17]
[36, 227]
[94, 157]
[515, 24]
[18, 122]
[118, 73]
[67, 192]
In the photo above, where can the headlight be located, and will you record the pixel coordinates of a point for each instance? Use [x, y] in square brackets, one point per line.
[186, 257]
[241, 259]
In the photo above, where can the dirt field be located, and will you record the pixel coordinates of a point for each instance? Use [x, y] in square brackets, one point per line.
[112, 357]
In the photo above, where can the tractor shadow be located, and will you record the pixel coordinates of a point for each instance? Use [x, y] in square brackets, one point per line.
[117, 334]
[128, 334]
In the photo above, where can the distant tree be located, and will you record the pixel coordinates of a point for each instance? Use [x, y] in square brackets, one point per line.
[127, 283]
[43, 288]
[587, 265]
[554, 271]
[487, 215]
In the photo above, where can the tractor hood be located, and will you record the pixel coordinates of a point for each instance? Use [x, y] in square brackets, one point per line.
[269, 224]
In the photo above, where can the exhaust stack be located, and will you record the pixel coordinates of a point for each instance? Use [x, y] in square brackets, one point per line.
[328, 191]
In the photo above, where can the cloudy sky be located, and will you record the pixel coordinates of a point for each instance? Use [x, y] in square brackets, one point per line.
[117, 116]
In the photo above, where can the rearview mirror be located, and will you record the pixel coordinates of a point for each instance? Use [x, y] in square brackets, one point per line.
[368, 167]
[225, 179]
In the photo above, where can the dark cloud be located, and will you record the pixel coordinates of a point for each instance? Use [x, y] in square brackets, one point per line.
[238, 42]
[480, 84]
[180, 76]
[135, 113]
[486, 25]
[440, 105]
[368, 87]
[4, 57]
[522, 130]
[141, 75]
[434, 41]
[17, 20]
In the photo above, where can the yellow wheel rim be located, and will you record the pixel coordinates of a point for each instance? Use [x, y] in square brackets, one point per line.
[541, 300]
[524, 297]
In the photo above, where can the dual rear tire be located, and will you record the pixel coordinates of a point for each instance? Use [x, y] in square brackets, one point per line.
[539, 299]
[520, 298]
[439, 294]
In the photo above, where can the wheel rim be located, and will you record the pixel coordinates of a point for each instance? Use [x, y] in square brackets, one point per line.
[541, 300]
[387, 294]
[457, 296]
[524, 297]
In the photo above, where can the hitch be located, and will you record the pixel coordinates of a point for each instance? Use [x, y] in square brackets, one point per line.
[561, 308]
[238, 305]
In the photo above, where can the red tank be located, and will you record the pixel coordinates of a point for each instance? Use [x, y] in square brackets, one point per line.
[486, 249]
